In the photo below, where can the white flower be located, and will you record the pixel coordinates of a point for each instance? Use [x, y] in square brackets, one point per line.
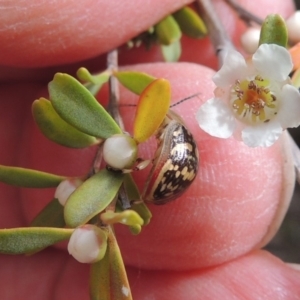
[253, 100]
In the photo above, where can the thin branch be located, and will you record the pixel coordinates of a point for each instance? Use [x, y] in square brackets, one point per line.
[114, 94]
[217, 34]
[97, 161]
[113, 105]
[244, 14]
[113, 109]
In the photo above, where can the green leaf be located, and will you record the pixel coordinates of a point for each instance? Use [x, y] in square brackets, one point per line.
[190, 23]
[26, 240]
[56, 129]
[92, 197]
[172, 52]
[274, 31]
[120, 288]
[127, 217]
[78, 107]
[100, 279]
[28, 178]
[136, 82]
[134, 195]
[131, 188]
[52, 215]
[144, 212]
[93, 82]
[84, 75]
[167, 31]
[135, 229]
[92, 88]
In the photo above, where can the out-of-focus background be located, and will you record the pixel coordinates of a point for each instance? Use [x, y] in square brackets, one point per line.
[286, 243]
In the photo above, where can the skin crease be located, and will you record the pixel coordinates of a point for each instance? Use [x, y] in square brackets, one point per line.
[209, 236]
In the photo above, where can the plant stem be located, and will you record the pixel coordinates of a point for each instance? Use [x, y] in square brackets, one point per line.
[113, 105]
[244, 14]
[217, 34]
[114, 95]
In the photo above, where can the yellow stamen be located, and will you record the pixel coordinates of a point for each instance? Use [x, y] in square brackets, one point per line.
[252, 100]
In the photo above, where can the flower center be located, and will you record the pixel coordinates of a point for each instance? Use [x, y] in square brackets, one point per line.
[252, 101]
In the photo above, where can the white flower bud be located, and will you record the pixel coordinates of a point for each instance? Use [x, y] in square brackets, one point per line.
[250, 39]
[88, 244]
[293, 26]
[65, 189]
[120, 151]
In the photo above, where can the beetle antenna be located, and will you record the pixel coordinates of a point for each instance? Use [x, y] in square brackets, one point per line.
[179, 102]
[184, 99]
[121, 105]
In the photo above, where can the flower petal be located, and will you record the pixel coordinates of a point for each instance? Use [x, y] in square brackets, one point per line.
[289, 112]
[273, 62]
[233, 68]
[222, 93]
[216, 118]
[263, 135]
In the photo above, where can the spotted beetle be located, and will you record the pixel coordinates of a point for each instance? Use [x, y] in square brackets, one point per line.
[175, 162]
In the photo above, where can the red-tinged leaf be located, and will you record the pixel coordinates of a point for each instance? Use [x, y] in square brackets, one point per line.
[151, 110]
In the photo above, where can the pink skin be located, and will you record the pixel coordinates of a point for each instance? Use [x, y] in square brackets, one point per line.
[233, 208]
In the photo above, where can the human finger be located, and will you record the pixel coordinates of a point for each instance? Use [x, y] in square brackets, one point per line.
[229, 209]
[34, 36]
